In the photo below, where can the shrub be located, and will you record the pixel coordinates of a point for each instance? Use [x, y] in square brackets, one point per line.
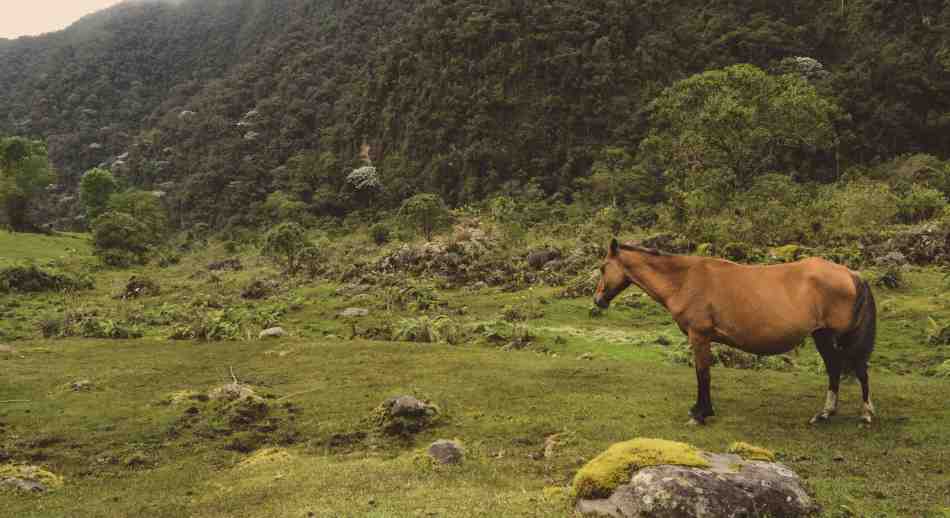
[858, 208]
[938, 333]
[920, 203]
[381, 233]
[736, 252]
[95, 188]
[311, 260]
[30, 279]
[283, 244]
[119, 239]
[210, 326]
[426, 212]
[440, 329]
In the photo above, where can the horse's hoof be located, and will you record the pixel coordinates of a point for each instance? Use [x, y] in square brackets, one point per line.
[694, 422]
[819, 418]
[866, 419]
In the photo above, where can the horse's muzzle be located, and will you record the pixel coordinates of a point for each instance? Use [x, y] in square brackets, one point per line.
[602, 302]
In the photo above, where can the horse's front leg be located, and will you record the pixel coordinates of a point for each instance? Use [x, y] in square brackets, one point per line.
[702, 359]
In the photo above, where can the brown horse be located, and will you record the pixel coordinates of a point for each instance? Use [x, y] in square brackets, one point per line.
[762, 310]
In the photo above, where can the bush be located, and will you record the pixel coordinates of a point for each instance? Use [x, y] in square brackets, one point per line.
[210, 326]
[95, 188]
[381, 233]
[858, 208]
[426, 212]
[738, 252]
[938, 333]
[920, 203]
[30, 279]
[120, 240]
[311, 260]
[283, 244]
[440, 329]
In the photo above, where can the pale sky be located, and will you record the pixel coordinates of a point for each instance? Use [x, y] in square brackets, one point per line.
[33, 17]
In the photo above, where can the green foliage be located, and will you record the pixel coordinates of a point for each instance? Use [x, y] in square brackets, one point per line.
[380, 233]
[31, 279]
[429, 330]
[282, 207]
[146, 208]
[121, 240]
[425, 212]
[25, 173]
[95, 188]
[736, 124]
[920, 203]
[857, 209]
[284, 244]
[938, 333]
[210, 326]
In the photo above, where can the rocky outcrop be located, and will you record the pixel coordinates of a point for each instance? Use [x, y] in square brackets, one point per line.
[666, 479]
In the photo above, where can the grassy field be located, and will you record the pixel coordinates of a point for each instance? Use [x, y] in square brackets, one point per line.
[132, 441]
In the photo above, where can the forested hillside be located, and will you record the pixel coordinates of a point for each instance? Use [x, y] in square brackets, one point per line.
[233, 99]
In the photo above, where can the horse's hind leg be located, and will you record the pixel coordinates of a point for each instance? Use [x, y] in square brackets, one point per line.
[825, 341]
[861, 372]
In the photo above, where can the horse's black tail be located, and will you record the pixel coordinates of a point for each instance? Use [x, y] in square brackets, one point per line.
[858, 343]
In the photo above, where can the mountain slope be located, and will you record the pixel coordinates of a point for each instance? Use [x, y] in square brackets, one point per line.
[230, 100]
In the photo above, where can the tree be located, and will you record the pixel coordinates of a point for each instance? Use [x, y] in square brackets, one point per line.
[24, 175]
[146, 208]
[95, 188]
[426, 212]
[284, 244]
[722, 128]
[119, 239]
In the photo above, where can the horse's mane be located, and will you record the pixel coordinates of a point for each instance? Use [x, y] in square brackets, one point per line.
[633, 247]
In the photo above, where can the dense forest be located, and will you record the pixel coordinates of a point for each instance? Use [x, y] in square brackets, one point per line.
[222, 102]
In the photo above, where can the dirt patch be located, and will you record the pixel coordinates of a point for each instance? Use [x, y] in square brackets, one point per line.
[238, 417]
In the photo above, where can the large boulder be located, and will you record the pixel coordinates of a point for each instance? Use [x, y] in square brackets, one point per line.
[666, 479]
[539, 258]
[446, 452]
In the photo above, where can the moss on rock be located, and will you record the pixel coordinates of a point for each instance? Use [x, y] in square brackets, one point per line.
[10, 474]
[750, 452]
[612, 468]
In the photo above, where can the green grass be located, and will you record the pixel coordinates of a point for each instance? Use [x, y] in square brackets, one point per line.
[124, 451]
[16, 247]
[502, 405]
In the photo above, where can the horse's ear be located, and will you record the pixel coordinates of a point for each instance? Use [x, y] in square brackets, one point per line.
[614, 246]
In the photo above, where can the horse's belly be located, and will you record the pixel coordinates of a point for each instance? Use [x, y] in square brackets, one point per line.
[765, 343]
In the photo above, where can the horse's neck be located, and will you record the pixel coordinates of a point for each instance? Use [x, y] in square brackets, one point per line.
[660, 276]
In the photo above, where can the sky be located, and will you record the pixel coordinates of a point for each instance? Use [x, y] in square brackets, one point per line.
[33, 17]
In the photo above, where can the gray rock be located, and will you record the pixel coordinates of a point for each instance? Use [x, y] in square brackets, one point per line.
[730, 487]
[891, 259]
[446, 452]
[406, 406]
[81, 386]
[274, 332]
[539, 258]
[405, 415]
[7, 349]
[354, 313]
[25, 485]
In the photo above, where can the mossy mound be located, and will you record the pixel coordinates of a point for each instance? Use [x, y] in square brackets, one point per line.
[266, 456]
[28, 478]
[750, 452]
[612, 468]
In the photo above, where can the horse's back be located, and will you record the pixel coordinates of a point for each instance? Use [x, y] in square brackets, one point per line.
[755, 306]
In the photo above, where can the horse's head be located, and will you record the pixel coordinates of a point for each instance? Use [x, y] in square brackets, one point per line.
[613, 277]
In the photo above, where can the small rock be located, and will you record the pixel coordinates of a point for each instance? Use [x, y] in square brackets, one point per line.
[234, 264]
[663, 340]
[446, 452]
[838, 458]
[274, 332]
[81, 386]
[586, 356]
[404, 415]
[7, 349]
[27, 486]
[354, 313]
